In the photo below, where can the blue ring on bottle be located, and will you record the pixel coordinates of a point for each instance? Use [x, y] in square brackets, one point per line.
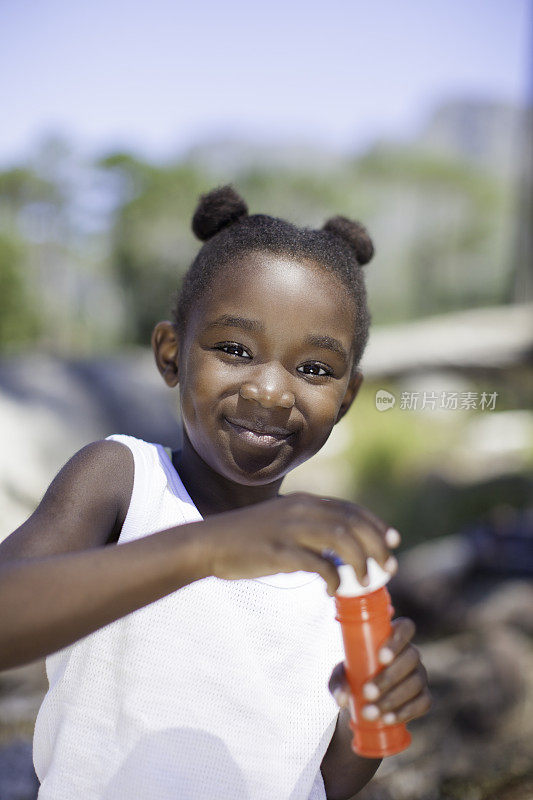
[331, 555]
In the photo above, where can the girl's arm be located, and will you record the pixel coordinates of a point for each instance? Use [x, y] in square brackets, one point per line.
[345, 773]
[58, 582]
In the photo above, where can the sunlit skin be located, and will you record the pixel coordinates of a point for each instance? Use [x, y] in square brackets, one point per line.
[265, 370]
[271, 345]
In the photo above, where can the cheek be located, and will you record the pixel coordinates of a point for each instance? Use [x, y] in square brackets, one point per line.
[322, 409]
[203, 386]
[328, 401]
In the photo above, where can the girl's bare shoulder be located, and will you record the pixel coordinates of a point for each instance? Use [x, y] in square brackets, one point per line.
[84, 506]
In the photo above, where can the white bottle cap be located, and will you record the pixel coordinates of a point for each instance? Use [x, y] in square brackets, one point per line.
[350, 586]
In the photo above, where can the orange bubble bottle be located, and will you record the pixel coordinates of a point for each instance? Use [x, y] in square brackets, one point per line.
[364, 613]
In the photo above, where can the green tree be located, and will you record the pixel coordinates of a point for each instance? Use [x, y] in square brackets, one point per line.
[441, 227]
[19, 322]
[152, 242]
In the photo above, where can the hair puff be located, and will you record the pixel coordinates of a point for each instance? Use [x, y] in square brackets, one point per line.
[355, 234]
[231, 235]
[216, 210]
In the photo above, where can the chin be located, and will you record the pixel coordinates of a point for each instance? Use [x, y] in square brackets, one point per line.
[260, 476]
[253, 471]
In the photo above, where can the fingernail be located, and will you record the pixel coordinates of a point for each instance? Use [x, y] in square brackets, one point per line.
[371, 691]
[386, 655]
[370, 712]
[341, 697]
[389, 718]
[391, 565]
[392, 538]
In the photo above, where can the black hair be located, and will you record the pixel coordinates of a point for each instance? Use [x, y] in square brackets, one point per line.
[222, 221]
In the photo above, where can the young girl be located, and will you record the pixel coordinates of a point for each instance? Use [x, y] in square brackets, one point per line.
[194, 660]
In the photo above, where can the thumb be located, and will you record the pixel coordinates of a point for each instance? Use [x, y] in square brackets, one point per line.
[338, 685]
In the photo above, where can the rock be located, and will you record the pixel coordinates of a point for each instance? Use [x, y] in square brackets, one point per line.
[50, 408]
[476, 739]
[507, 604]
[472, 578]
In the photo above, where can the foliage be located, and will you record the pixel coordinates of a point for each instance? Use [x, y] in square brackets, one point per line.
[18, 317]
[436, 227]
[152, 244]
[402, 466]
[442, 229]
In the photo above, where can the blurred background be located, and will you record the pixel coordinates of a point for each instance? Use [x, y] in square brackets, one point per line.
[415, 118]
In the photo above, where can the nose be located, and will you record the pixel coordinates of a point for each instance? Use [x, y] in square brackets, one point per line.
[268, 390]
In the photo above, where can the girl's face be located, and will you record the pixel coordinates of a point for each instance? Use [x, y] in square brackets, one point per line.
[265, 367]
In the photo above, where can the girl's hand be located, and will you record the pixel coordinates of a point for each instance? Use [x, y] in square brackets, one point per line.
[291, 533]
[399, 693]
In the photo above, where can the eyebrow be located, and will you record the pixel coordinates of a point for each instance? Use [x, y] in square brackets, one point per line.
[227, 321]
[328, 343]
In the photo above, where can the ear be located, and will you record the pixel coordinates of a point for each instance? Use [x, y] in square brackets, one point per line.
[165, 344]
[354, 384]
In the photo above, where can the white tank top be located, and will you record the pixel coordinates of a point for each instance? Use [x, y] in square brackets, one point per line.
[218, 690]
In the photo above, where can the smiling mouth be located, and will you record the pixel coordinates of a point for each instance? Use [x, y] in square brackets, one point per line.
[268, 436]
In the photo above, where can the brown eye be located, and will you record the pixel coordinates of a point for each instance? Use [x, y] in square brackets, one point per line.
[315, 368]
[233, 349]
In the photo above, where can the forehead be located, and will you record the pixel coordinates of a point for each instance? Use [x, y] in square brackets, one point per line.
[283, 292]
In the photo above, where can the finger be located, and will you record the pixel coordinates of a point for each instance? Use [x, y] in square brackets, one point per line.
[338, 685]
[368, 530]
[347, 529]
[319, 536]
[338, 677]
[371, 533]
[391, 535]
[406, 690]
[308, 561]
[407, 661]
[416, 707]
[403, 630]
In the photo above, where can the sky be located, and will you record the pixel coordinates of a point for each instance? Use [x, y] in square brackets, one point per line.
[158, 77]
